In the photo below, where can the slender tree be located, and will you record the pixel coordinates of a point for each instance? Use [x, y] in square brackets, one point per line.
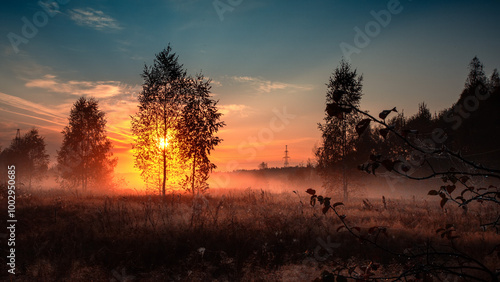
[28, 153]
[339, 129]
[422, 120]
[85, 156]
[494, 81]
[199, 123]
[160, 108]
[476, 76]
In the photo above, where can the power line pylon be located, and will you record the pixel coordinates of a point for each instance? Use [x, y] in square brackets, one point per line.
[18, 136]
[286, 157]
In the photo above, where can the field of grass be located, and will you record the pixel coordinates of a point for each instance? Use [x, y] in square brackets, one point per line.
[230, 235]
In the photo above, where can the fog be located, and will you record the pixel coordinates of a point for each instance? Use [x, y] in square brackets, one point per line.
[281, 180]
[287, 180]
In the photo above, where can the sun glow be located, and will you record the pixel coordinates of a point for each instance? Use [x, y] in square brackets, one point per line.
[163, 143]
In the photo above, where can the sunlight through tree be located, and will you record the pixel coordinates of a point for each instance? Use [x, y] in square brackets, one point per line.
[174, 126]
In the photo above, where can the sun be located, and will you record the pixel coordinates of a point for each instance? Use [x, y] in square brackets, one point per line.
[162, 143]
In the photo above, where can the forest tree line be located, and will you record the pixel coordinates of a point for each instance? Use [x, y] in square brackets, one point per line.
[471, 127]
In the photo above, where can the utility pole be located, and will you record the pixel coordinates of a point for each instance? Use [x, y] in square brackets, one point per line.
[286, 157]
[18, 136]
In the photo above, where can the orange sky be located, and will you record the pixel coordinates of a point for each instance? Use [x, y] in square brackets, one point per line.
[254, 132]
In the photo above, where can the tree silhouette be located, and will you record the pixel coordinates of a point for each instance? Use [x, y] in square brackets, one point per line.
[494, 81]
[263, 165]
[85, 157]
[472, 123]
[476, 76]
[422, 120]
[196, 129]
[29, 155]
[388, 144]
[431, 260]
[160, 108]
[339, 129]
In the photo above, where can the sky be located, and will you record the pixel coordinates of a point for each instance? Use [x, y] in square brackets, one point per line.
[269, 62]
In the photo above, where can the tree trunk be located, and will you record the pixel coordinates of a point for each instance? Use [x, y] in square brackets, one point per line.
[344, 175]
[164, 172]
[194, 170]
[164, 150]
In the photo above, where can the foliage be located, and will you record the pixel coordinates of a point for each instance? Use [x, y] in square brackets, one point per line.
[470, 127]
[338, 131]
[437, 262]
[471, 124]
[176, 111]
[160, 109]
[195, 131]
[29, 155]
[476, 77]
[263, 165]
[85, 157]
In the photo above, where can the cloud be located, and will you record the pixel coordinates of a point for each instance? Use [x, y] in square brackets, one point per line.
[244, 78]
[116, 99]
[31, 109]
[216, 83]
[266, 86]
[21, 111]
[242, 110]
[118, 112]
[97, 89]
[94, 18]
[51, 8]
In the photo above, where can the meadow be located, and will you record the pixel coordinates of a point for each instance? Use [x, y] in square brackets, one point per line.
[231, 235]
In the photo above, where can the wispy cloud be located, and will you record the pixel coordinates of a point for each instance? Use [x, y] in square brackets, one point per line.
[97, 89]
[31, 115]
[94, 18]
[31, 109]
[240, 109]
[266, 86]
[51, 8]
[21, 113]
[117, 111]
[216, 83]
[16, 112]
[116, 99]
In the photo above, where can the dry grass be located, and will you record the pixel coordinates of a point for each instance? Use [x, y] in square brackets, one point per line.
[234, 235]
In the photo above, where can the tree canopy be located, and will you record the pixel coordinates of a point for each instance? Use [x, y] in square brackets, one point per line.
[28, 153]
[85, 156]
[196, 131]
[339, 128]
[174, 127]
